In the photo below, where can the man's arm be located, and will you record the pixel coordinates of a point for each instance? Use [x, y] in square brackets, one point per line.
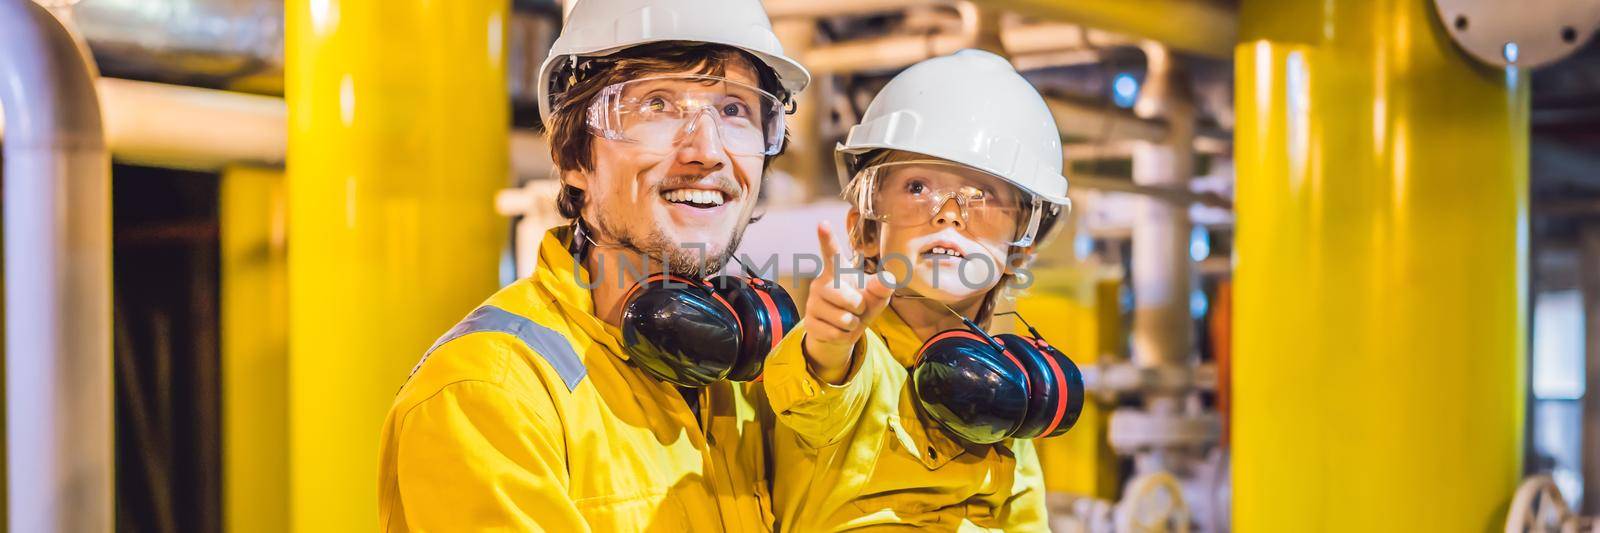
[476, 457]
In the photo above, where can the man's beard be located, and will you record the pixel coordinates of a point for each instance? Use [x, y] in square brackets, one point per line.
[689, 260]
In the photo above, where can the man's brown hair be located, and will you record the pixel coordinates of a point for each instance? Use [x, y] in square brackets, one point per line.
[571, 144]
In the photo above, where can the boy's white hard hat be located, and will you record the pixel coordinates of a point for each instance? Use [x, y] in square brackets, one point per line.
[972, 108]
[603, 27]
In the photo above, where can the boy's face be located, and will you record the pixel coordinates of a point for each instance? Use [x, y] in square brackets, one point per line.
[945, 230]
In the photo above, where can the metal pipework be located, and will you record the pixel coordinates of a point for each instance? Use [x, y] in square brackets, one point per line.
[892, 52]
[191, 128]
[58, 279]
[778, 9]
[174, 126]
[1111, 381]
[1033, 45]
[1162, 327]
[207, 41]
[1197, 26]
[391, 177]
[1084, 120]
[239, 44]
[1381, 294]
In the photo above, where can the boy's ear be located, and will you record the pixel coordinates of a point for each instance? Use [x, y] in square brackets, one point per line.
[852, 221]
[1020, 257]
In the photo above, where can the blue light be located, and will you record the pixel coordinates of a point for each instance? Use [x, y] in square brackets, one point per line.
[1082, 245]
[1199, 244]
[1198, 304]
[1124, 89]
[1511, 52]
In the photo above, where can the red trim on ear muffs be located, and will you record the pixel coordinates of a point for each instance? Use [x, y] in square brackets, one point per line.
[965, 334]
[1062, 393]
[725, 305]
[651, 279]
[774, 318]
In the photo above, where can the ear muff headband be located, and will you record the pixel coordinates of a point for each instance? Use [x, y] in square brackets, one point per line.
[686, 281]
[1062, 392]
[964, 334]
[729, 307]
[774, 318]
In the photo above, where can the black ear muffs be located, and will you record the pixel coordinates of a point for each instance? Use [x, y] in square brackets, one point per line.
[986, 389]
[679, 330]
[977, 392]
[766, 313]
[1055, 386]
[691, 333]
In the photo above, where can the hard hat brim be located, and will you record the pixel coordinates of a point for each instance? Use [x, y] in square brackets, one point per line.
[791, 74]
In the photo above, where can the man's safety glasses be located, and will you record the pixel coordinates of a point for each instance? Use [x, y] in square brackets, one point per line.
[659, 113]
[912, 193]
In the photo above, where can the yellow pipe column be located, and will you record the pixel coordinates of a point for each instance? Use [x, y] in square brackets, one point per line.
[255, 351]
[1382, 236]
[398, 123]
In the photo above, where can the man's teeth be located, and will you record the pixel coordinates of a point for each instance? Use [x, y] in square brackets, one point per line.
[944, 251]
[694, 196]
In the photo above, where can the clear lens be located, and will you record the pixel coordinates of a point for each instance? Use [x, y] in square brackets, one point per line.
[913, 193]
[662, 112]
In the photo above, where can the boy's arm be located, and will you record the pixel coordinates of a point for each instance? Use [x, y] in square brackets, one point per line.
[819, 412]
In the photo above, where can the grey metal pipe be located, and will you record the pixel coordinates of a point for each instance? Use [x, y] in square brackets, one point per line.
[238, 44]
[58, 279]
[205, 42]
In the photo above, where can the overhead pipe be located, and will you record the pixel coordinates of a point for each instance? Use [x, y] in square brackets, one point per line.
[1178, 197]
[186, 127]
[893, 52]
[173, 126]
[57, 279]
[1196, 26]
[1090, 149]
[239, 44]
[206, 42]
[780, 9]
[1042, 37]
[1084, 120]
[1030, 45]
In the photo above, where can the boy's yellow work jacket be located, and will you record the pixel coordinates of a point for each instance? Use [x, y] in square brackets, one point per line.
[526, 417]
[861, 455]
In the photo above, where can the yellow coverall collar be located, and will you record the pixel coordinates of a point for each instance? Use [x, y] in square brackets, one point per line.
[565, 280]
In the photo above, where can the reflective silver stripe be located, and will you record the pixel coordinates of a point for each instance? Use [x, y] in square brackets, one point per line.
[542, 340]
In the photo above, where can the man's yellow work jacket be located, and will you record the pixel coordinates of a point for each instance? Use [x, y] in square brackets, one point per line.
[526, 416]
[861, 455]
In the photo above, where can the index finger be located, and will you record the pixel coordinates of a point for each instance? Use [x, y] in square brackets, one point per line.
[829, 245]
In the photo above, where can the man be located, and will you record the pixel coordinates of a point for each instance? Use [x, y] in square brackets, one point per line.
[663, 116]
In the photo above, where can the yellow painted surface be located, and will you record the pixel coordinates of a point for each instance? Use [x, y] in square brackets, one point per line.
[398, 114]
[1381, 273]
[1077, 311]
[1195, 26]
[255, 350]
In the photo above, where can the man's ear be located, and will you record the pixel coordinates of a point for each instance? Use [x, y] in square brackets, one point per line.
[576, 179]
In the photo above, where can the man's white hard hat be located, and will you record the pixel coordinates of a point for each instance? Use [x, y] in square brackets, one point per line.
[598, 28]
